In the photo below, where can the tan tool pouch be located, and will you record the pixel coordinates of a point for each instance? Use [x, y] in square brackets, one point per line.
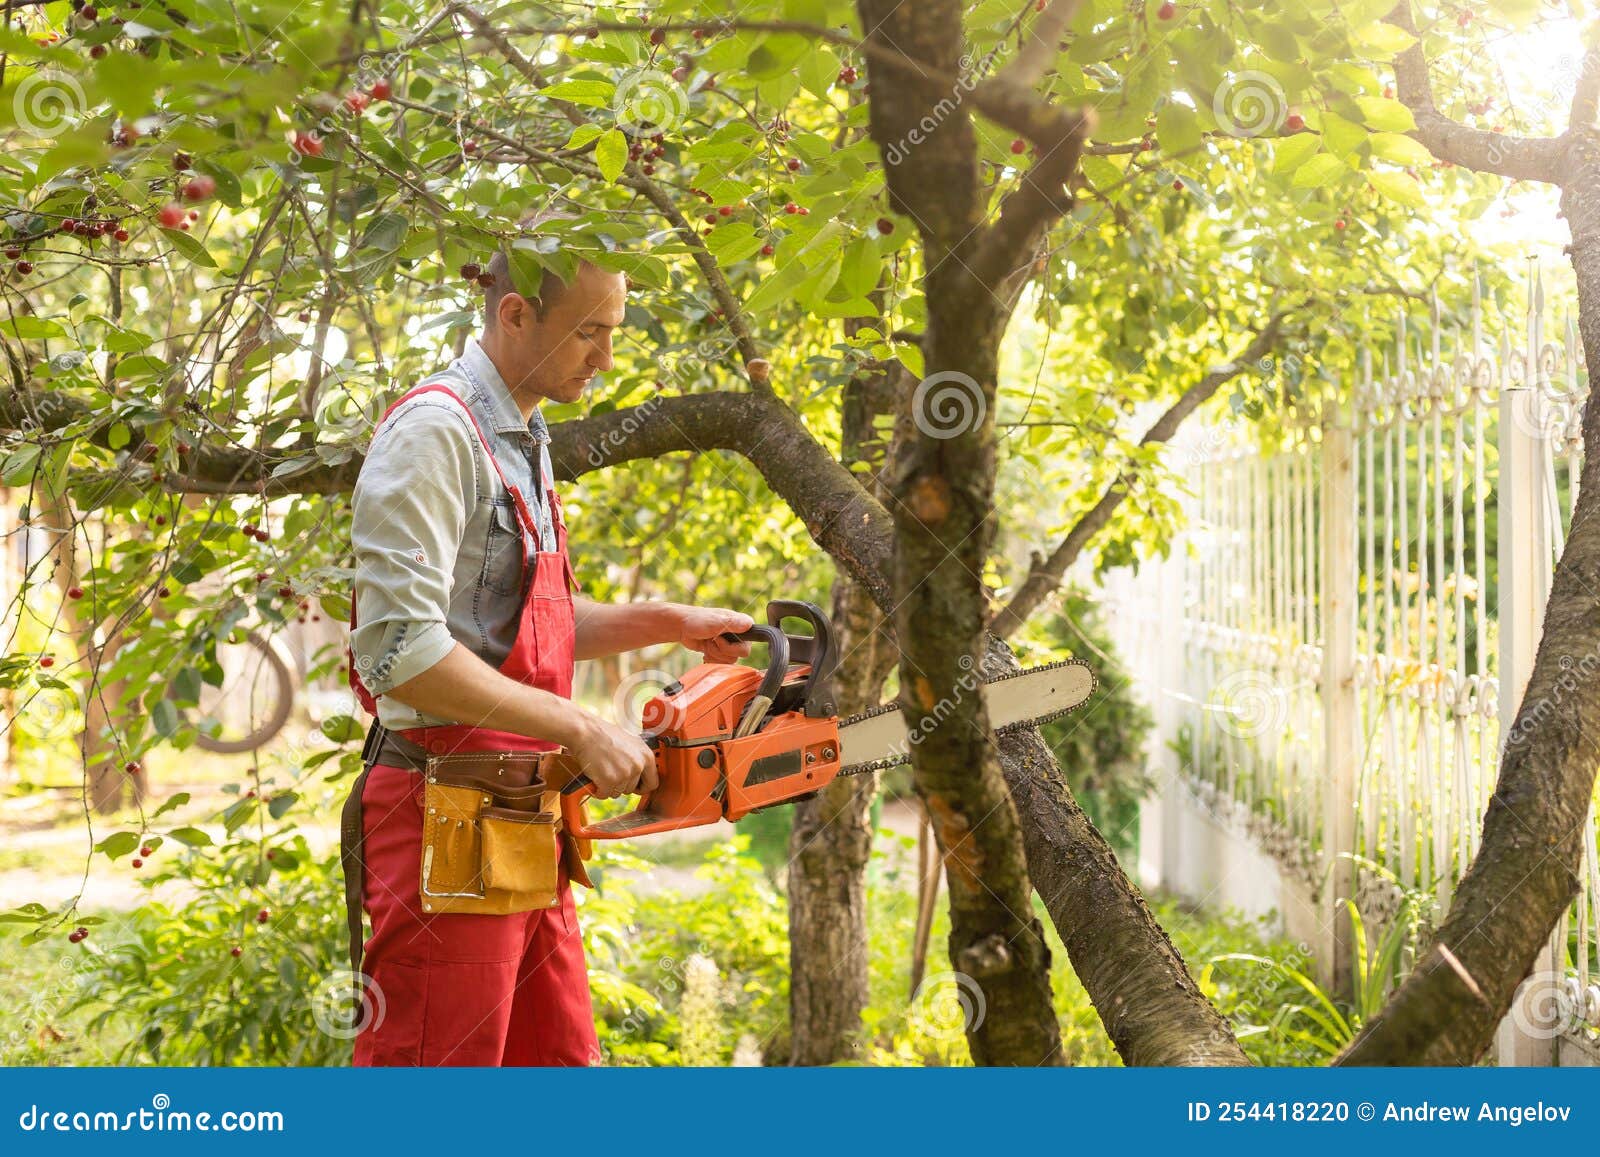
[488, 846]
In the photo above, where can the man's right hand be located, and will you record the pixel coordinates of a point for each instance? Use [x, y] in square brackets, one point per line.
[618, 762]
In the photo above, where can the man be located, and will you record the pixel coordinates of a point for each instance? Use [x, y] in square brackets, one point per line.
[465, 632]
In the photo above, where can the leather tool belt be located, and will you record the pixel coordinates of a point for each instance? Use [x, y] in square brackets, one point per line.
[492, 836]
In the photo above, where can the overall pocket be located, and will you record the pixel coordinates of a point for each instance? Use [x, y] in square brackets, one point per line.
[503, 550]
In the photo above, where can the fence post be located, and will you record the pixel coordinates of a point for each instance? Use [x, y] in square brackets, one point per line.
[1340, 721]
[1523, 552]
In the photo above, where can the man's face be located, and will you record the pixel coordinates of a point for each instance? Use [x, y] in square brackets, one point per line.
[557, 355]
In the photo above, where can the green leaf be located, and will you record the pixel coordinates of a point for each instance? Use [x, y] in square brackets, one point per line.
[611, 154]
[118, 844]
[191, 837]
[589, 93]
[190, 247]
[342, 728]
[32, 327]
[1399, 187]
[281, 803]
[178, 800]
[1385, 115]
[1292, 152]
[119, 435]
[1400, 149]
[1321, 170]
[1177, 128]
[164, 718]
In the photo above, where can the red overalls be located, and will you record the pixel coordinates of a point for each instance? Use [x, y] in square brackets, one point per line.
[459, 989]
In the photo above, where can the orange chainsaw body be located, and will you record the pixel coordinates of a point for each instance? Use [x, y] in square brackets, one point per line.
[704, 773]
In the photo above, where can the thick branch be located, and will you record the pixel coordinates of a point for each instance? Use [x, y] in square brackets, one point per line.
[1521, 158]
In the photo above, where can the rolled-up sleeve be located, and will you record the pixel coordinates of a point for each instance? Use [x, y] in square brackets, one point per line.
[408, 514]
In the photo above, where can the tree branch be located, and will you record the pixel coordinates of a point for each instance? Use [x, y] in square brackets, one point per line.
[1044, 579]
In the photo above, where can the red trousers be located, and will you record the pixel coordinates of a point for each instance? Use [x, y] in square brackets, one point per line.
[457, 989]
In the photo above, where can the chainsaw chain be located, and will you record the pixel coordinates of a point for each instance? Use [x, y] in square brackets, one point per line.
[1019, 725]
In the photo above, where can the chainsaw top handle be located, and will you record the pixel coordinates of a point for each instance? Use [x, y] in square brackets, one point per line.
[817, 649]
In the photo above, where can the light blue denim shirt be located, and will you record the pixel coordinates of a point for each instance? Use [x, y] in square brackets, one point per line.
[438, 549]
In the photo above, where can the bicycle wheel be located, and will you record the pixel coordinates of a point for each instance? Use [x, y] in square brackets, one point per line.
[253, 703]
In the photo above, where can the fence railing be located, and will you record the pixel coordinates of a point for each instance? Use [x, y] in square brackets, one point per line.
[1361, 605]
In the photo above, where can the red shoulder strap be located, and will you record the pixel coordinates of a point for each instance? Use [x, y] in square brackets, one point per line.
[523, 513]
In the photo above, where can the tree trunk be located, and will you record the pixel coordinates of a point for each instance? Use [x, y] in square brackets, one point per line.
[830, 843]
[1527, 869]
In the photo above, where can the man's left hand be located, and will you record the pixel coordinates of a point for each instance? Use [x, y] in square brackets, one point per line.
[702, 629]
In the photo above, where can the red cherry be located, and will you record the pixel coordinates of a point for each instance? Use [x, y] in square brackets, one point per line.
[163, 593]
[182, 161]
[1167, 11]
[1294, 122]
[1340, 224]
[792, 165]
[98, 51]
[302, 316]
[357, 103]
[13, 253]
[469, 147]
[725, 211]
[1019, 146]
[804, 212]
[1388, 91]
[470, 271]
[647, 168]
[171, 215]
[161, 520]
[486, 279]
[133, 767]
[711, 218]
[307, 144]
[249, 529]
[137, 862]
[184, 447]
[146, 850]
[251, 794]
[262, 536]
[885, 225]
[381, 90]
[286, 592]
[200, 188]
[1464, 19]
[262, 576]
[236, 952]
[47, 661]
[847, 75]
[1178, 186]
[263, 916]
[24, 267]
[767, 251]
[74, 592]
[121, 234]
[77, 935]
[791, 207]
[89, 13]
[194, 214]
[658, 37]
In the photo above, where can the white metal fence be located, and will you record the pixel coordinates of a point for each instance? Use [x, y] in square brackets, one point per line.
[1360, 606]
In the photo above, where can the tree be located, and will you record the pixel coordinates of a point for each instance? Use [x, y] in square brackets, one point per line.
[777, 231]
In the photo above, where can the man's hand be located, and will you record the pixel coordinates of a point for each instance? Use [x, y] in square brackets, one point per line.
[617, 761]
[701, 630]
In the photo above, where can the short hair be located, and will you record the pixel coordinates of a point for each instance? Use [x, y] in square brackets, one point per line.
[499, 269]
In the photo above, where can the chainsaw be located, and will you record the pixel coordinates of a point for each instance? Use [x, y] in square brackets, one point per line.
[730, 739]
